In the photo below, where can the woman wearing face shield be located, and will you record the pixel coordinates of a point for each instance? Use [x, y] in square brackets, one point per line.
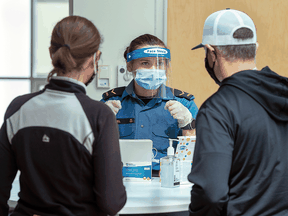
[147, 108]
[57, 137]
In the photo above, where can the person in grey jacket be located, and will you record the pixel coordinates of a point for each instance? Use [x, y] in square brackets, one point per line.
[65, 145]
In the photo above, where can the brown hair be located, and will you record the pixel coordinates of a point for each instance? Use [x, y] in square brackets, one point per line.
[143, 40]
[74, 39]
[239, 52]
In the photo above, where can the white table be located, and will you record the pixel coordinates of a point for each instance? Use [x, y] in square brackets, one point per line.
[150, 197]
[142, 197]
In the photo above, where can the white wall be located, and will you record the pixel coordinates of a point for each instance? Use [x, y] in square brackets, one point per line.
[119, 22]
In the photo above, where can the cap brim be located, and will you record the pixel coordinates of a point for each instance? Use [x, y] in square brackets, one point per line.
[198, 46]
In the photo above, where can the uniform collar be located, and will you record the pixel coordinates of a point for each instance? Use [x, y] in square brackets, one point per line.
[129, 90]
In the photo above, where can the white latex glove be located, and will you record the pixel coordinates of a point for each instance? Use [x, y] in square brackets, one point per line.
[115, 105]
[179, 112]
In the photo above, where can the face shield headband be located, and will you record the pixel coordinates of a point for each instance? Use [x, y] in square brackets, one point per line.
[149, 52]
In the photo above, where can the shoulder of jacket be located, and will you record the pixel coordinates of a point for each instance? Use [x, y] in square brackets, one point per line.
[182, 94]
[113, 92]
[18, 102]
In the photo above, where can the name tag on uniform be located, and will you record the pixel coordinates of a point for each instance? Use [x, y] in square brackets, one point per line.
[125, 121]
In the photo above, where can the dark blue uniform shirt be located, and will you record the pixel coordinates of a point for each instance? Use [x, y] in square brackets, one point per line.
[151, 121]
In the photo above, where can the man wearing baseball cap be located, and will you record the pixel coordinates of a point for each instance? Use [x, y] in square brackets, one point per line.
[240, 164]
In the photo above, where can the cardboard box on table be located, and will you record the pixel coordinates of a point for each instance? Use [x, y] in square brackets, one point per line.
[136, 156]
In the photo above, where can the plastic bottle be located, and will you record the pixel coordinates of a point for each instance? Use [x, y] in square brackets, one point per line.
[169, 167]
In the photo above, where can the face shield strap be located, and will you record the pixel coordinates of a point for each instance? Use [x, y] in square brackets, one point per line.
[149, 52]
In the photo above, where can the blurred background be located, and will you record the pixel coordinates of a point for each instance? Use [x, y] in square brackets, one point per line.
[26, 27]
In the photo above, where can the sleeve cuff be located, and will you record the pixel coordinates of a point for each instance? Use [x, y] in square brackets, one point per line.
[190, 126]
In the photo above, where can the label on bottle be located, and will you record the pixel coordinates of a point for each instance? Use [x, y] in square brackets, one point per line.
[176, 172]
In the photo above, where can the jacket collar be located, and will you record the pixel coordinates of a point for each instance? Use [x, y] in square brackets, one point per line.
[66, 84]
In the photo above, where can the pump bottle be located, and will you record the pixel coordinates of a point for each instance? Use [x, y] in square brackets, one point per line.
[169, 168]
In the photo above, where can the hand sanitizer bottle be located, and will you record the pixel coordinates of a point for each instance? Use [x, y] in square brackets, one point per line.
[169, 168]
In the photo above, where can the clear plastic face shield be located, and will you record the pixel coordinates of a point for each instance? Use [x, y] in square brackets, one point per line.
[151, 71]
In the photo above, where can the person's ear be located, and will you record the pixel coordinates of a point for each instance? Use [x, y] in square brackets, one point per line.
[211, 51]
[129, 66]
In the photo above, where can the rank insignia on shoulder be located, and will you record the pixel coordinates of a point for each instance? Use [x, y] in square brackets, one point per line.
[113, 92]
[125, 120]
[186, 95]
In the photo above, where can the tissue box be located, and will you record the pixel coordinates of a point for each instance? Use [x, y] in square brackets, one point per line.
[137, 171]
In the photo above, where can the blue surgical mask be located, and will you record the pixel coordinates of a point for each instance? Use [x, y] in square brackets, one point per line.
[150, 78]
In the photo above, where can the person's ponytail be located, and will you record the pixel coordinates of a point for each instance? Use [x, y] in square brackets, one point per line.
[62, 61]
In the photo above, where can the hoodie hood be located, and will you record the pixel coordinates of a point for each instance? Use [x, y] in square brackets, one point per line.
[268, 88]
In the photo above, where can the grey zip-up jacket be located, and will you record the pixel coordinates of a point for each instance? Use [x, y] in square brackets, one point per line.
[66, 146]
